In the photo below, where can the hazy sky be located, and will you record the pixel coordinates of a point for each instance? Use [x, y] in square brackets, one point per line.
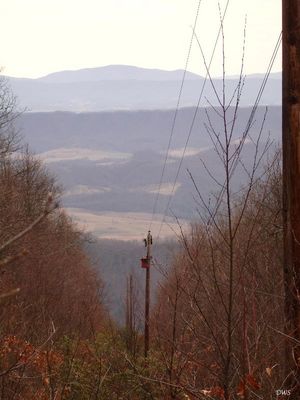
[43, 36]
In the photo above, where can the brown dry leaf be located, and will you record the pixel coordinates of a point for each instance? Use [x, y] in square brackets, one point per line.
[241, 389]
[269, 371]
[252, 382]
[46, 381]
[205, 392]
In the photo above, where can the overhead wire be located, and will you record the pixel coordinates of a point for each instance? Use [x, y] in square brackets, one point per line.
[175, 115]
[245, 133]
[251, 118]
[193, 120]
[248, 125]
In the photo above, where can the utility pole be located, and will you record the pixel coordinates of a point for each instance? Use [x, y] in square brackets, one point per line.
[129, 313]
[291, 186]
[148, 244]
[127, 306]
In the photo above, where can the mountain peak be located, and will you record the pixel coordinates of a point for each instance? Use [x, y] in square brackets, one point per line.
[116, 73]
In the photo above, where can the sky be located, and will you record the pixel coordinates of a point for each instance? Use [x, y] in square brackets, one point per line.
[43, 36]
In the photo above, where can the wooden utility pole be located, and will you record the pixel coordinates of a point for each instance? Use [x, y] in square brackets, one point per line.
[148, 243]
[291, 185]
[129, 313]
[130, 309]
[127, 305]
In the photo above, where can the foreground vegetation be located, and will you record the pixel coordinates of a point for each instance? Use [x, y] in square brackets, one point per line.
[57, 341]
[218, 321]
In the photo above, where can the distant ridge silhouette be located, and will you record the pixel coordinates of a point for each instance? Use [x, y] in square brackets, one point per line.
[123, 87]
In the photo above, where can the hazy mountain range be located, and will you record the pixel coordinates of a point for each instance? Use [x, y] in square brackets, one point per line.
[109, 161]
[118, 87]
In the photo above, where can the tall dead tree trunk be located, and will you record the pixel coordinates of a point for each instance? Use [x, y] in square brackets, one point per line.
[291, 184]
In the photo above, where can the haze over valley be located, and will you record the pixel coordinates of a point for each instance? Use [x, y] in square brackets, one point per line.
[109, 162]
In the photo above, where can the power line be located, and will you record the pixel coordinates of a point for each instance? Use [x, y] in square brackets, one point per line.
[249, 122]
[175, 115]
[252, 115]
[245, 133]
[193, 120]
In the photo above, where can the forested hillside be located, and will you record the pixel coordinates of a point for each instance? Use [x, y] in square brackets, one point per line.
[220, 315]
[50, 292]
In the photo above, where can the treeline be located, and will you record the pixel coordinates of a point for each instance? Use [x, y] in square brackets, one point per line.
[56, 337]
[50, 293]
[219, 318]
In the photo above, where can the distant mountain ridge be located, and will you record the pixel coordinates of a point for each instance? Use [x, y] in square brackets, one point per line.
[121, 87]
[126, 72]
[130, 131]
[117, 72]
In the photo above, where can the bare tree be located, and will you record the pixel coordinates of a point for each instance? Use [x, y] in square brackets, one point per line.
[231, 307]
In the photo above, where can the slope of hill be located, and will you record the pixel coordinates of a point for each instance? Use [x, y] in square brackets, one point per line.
[110, 163]
[130, 131]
